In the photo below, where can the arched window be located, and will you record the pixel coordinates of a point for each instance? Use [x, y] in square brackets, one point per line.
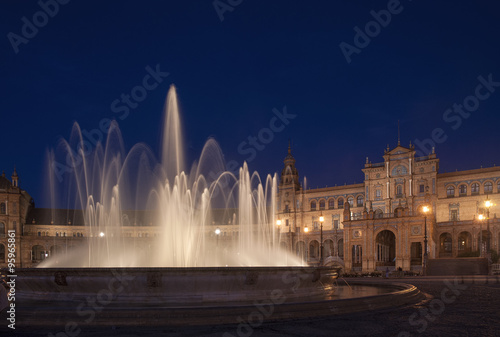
[462, 190]
[3, 208]
[399, 171]
[488, 187]
[322, 204]
[340, 203]
[2, 228]
[313, 205]
[331, 203]
[350, 200]
[474, 189]
[359, 201]
[498, 186]
[450, 191]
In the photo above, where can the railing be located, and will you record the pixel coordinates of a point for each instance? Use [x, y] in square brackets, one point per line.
[382, 216]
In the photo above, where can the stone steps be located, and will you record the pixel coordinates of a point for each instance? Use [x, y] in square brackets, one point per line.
[457, 266]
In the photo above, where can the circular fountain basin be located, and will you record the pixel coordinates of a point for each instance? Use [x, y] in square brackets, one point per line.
[187, 296]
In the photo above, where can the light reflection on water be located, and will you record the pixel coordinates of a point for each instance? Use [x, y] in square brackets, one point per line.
[354, 291]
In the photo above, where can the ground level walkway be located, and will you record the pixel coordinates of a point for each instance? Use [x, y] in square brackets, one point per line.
[455, 306]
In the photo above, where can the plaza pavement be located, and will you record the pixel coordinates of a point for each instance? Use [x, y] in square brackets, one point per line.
[454, 306]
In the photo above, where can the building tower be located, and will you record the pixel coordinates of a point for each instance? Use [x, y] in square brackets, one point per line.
[288, 194]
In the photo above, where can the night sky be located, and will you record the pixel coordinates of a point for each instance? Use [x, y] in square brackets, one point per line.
[231, 75]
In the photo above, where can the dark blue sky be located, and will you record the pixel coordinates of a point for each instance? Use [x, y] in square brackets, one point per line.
[231, 74]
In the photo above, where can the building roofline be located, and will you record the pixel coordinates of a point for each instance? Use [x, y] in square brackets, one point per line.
[473, 171]
[335, 188]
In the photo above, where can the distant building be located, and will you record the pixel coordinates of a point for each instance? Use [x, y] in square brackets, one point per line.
[380, 223]
[369, 226]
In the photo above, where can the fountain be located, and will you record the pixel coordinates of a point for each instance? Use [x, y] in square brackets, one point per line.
[185, 274]
[179, 206]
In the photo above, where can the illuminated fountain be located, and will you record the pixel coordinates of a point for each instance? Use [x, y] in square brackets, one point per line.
[109, 180]
[184, 275]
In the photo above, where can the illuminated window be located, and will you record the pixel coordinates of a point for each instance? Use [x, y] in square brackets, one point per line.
[474, 189]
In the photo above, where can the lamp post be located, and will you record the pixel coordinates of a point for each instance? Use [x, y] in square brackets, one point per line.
[217, 233]
[306, 230]
[488, 204]
[425, 209]
[481, 218]
[321, 220]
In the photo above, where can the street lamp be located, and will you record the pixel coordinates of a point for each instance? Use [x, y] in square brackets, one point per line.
[306, 229]
[321, 220]
[425, 209]
[217, 233]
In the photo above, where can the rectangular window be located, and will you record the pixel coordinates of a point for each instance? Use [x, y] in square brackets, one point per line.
[287, 222]
[454, 215]
[335, 224]
[422, 188]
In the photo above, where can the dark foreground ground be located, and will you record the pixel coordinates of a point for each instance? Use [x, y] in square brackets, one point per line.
[455, 306]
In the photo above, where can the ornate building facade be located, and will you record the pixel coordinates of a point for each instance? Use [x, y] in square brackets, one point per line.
[385, 222]
[374, 225]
